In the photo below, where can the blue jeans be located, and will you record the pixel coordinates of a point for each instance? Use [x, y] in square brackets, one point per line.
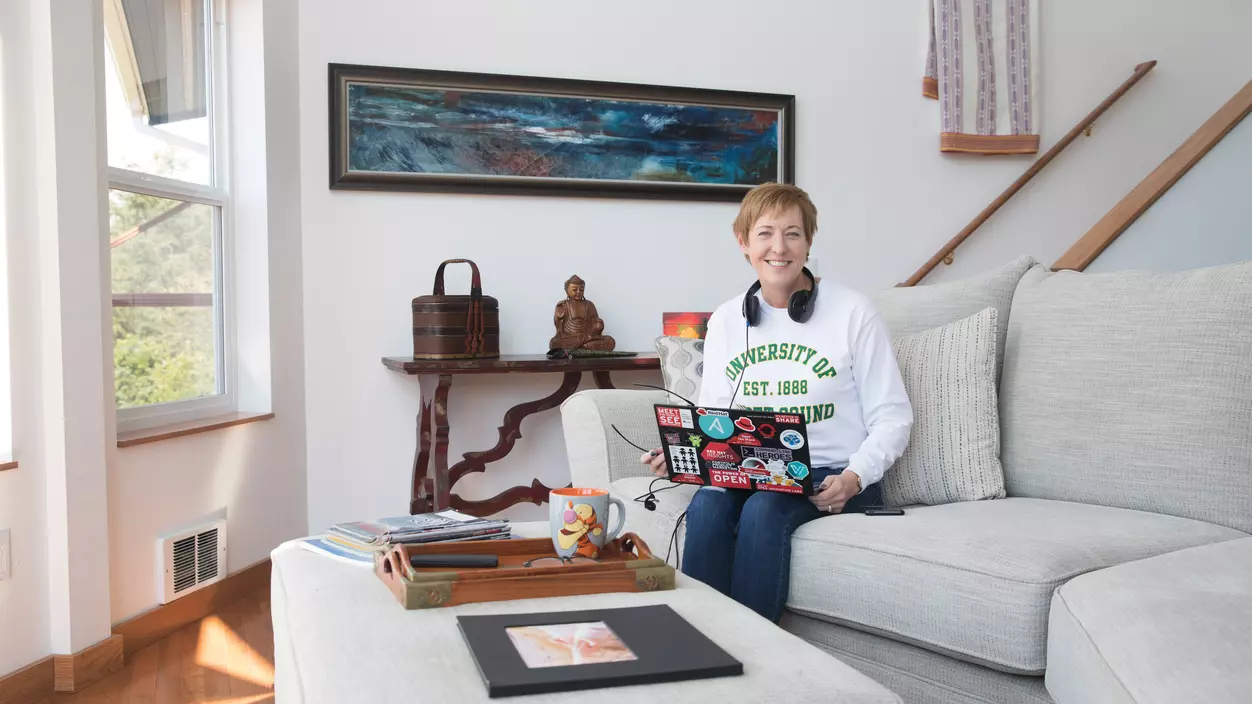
[739, 542]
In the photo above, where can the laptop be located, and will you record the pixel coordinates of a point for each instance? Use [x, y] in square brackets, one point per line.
[736, 448]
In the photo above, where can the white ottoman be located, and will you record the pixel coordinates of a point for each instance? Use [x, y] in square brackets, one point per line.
[340, 636]
[1171, 628]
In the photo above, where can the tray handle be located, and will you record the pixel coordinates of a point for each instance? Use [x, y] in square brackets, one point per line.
[631, 543]
[391, 569]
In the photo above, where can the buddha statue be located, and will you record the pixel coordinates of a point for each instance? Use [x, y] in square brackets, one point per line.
[578, 325]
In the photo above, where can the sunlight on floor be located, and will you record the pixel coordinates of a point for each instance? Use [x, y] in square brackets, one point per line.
[223, 650]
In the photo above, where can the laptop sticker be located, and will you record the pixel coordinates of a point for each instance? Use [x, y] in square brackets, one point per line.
[684, 459]
[745, 424]
[732, 480]
[755, 467]
[791, 439]
[744, 439]
[772, 453]
[719, 452]
[716, 427]
[797, 469]
[669, 417]
[778, 474]
[767, 431]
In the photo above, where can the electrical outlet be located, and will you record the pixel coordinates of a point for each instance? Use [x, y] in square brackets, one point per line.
[4, 554]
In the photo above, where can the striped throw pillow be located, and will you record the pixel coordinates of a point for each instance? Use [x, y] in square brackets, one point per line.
[954, 449]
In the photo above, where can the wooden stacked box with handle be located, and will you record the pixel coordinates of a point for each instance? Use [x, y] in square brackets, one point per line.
[458, 326]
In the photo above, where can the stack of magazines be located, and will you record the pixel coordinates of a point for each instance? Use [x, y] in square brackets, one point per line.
[360, 541]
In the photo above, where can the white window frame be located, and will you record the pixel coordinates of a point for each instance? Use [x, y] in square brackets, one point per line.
[217, 195]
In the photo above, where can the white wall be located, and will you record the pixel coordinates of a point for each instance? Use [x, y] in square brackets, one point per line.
[254, 474]
[23, 508]
[867, 153]
[1204, 59]
[77, 376]
[1204, 220]
[74, 491]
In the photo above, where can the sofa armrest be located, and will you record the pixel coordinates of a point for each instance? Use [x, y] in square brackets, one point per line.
[597, 456]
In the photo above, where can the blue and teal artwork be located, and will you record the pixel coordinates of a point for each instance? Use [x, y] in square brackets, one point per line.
[489, 135]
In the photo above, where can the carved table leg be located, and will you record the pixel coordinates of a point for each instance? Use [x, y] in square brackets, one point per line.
[602, 380]
[421, 499]
[536, 493]
[431, 489]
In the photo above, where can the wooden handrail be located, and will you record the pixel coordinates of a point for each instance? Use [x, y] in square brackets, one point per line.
[945, 253]
[1150, 189]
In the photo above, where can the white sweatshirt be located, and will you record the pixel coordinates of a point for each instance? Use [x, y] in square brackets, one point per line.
[838, 370]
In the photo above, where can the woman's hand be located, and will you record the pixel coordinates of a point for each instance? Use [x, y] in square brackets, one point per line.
[836, 491]
[657, 462]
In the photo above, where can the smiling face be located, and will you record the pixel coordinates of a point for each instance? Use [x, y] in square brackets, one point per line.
[777, 249]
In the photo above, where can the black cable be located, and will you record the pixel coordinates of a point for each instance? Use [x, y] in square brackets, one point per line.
[642, 498]
[673, 542]
[747, 327]
[641, 449]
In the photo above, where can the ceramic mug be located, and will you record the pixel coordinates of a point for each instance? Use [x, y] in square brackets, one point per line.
[579, 520]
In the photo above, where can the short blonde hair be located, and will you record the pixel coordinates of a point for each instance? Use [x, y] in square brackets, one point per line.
[775, 197]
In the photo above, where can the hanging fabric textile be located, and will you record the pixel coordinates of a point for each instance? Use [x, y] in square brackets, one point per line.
[983, 68]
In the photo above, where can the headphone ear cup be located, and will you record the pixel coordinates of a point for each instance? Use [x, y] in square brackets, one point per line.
[798, 306]
[751, 309]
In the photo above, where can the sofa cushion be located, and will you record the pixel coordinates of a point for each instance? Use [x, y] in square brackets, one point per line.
[954, 448]
[597, 454]
[910, 309]
[918, 675]
[1132, 389]
[682, 365]
[971, 579]
[656, 527]
[1168, 629]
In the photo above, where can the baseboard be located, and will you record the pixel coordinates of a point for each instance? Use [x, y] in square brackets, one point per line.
[151, 626]
[72, 673]
[62, 673]
[29, 684]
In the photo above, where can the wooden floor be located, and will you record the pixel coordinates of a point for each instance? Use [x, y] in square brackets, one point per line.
[226, 658]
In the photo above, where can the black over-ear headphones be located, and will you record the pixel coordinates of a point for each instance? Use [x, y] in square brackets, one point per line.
[799, 306]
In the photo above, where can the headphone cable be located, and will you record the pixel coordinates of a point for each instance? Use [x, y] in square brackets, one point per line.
[747, 327]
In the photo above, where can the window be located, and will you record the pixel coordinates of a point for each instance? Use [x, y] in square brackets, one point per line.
[168, 203]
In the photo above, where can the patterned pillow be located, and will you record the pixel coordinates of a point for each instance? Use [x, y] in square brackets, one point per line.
[954, 449]
[682, 364]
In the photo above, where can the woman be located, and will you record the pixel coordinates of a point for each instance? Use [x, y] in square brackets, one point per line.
[821, 350]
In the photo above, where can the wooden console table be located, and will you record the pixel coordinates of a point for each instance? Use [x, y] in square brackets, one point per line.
[432, 487]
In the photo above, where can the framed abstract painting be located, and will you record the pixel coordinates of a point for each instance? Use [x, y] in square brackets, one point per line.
[445, 131]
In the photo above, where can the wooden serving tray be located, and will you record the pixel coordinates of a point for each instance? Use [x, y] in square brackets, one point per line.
[625, 565]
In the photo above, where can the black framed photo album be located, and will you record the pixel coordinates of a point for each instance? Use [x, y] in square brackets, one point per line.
[573, 650]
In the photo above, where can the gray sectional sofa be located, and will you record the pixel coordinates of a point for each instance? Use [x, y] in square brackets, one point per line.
[1117, 568]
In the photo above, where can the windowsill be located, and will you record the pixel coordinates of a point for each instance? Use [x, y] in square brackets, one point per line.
[191, 427]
